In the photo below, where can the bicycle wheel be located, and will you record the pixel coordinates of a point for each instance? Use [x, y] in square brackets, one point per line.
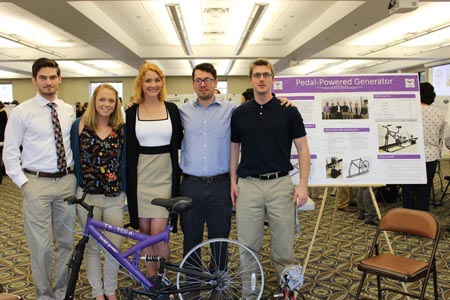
[237, 271]
[404, 137]
[364, 166]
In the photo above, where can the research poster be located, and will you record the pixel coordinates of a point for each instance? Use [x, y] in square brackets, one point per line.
[362, 129]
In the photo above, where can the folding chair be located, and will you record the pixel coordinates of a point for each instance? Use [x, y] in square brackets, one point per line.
[411, 266]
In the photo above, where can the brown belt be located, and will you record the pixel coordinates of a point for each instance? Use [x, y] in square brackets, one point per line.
[50, 175]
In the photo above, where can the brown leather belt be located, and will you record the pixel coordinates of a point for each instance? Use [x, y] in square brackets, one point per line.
[208, 179]
[50, 175]
[272, 175]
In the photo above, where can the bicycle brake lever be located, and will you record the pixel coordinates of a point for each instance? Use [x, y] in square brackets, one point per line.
[74, 200]
[71, 200]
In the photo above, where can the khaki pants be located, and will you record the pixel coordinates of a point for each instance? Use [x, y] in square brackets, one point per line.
[47, 218]
[258, 198]
[108, 210]
[343, 196]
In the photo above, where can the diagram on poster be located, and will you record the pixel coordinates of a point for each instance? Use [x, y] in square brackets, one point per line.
[362, 129]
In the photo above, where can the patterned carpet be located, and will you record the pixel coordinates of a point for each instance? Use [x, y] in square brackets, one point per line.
[331, 273]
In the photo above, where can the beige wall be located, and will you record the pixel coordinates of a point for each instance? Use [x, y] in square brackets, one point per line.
[77, 89]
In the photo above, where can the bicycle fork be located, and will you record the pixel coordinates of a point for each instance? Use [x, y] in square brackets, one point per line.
[75, 265]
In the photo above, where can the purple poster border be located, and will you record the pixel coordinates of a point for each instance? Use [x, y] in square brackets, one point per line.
[355, 83]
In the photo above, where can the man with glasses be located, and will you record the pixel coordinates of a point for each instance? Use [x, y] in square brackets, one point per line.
[205, 154]
[205, 160]
[263, 132]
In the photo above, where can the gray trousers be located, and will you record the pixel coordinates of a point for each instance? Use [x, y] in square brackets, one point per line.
[258, 198]
[47, 219]
[365, 204]
[109, 210]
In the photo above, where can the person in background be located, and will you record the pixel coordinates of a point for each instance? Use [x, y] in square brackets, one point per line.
[247, 95]
[154, 135]
[345, 111]
[356, 111]
[3, 121]
[326, 111]
[417, 196]
[84, 107]
[43, 170]
[78, 109]
[333, 111]
[344, 195]
[98, 145]
[366, 209]
[338, 108]
[351, 112]
[364, 110]
[265, 132]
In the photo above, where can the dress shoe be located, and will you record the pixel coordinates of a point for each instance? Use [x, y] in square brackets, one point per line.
[348, 209]
[374, 222]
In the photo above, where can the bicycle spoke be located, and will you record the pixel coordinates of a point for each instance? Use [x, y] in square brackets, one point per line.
[237, 269]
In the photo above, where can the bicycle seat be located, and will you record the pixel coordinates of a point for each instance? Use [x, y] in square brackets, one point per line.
[174, 205]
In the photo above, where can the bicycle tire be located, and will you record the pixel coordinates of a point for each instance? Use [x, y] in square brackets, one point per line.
[404, 137]
[364, 166]
[234, 281]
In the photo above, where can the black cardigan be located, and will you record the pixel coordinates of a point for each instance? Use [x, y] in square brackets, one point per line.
[133, 155]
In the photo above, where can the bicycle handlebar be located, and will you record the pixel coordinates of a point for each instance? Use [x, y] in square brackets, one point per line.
[74, 200]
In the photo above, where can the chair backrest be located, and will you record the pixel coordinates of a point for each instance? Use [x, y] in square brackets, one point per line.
[420, 223]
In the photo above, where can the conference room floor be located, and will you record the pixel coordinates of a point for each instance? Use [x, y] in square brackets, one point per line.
[331, 272]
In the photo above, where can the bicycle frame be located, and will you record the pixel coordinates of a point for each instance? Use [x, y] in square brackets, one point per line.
[362, 166]
[92, 229]
[128, 259]
[391, 133]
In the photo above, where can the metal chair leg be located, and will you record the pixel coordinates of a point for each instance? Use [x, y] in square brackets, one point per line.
[444, 193]
[361, 283]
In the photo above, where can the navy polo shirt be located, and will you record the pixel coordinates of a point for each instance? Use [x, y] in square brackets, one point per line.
[265, 133]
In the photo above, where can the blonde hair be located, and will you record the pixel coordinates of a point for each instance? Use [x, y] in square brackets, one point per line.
[89, 117]
[138, 93]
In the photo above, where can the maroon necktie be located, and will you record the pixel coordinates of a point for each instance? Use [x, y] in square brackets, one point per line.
[60, 152]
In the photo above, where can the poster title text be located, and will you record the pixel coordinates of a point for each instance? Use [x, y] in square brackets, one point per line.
[342, 82]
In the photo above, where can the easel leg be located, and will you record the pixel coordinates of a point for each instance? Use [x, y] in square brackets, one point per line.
[319, 217]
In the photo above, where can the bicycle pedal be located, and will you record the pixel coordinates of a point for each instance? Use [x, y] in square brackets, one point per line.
[165, 281]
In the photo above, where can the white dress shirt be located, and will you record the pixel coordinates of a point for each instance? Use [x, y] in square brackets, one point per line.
[30, 126]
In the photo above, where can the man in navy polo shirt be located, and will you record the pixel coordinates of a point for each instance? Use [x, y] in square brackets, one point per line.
[264, 131]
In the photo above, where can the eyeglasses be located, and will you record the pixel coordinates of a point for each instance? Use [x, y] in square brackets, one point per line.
[207, 80]
[258, 75]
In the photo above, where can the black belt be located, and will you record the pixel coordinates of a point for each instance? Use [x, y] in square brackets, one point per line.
[208, 179]
[155, 150]
[50, 175]
[272, 175]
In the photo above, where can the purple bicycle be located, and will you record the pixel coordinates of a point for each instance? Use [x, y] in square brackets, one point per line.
[214, 269]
